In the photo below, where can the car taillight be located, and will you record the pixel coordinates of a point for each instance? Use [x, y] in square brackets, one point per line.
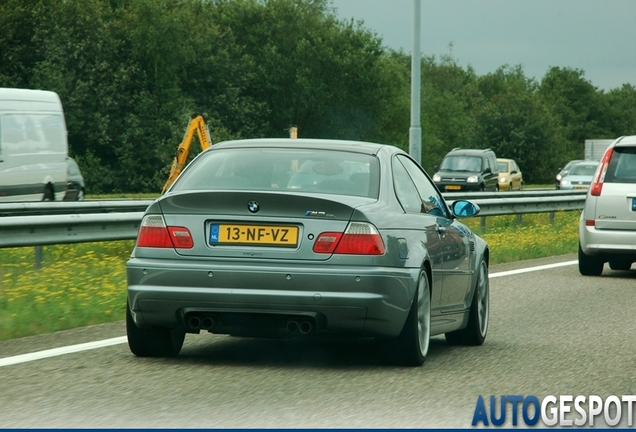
[327, 242]
[599, 176]
[154, 232]
[360, 238]
[590, 222]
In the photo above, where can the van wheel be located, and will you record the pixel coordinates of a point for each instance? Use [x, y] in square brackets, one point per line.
[48, 193]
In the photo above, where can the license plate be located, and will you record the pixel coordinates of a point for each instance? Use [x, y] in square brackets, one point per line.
[267, 235]
[453, 187]
[581, 187]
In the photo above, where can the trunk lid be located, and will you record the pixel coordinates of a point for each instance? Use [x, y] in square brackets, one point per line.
[265, 225]
[616, 207]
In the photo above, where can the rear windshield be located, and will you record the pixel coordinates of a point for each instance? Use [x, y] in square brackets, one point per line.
[622, 167]
[289, 169]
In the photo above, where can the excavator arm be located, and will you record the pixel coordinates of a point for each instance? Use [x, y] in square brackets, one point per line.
[197, 125]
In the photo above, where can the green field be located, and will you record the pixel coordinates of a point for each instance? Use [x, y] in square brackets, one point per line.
[84, 284]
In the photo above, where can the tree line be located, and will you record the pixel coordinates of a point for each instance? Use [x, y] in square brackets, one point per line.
[131, 73]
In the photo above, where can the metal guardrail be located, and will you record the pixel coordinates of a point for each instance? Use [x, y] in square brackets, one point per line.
[72, 207]
[527, 193]
[70, 228]
[45, 223]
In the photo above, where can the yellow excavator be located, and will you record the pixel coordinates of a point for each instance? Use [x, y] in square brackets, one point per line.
[197, 124]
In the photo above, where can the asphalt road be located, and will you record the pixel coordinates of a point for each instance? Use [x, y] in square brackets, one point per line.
[552, 332]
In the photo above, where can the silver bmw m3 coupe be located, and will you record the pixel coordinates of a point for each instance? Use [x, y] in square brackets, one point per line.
[305, 238]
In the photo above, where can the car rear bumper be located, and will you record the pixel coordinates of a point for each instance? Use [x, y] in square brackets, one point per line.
[362, 300]
[597, 242]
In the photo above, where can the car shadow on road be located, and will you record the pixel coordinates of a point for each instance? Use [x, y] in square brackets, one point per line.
[227, 350]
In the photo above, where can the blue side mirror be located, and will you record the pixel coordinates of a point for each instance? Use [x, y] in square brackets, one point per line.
[463, 208]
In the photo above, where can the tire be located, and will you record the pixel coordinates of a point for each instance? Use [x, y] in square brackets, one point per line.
[411, 346]
[510, 187]
[620, 265]
[589, 265]
[496, 188]
[521, 186]
[154, 341]
[49, 195]
[80, 195]
[475, 332]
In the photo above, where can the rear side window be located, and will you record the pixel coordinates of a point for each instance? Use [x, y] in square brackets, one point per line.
[622, 166]
[283, 169]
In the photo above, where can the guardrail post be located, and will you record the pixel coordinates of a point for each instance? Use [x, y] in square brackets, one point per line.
[519, 218]
[551, 218]
[483, 222]
[38, 257]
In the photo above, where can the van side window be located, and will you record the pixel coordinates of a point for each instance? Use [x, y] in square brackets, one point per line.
[31, 133]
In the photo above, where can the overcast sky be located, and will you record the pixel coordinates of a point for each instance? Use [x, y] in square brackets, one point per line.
[596, 36]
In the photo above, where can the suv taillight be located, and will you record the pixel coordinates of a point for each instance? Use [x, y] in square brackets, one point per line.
[154, 232]
[597, 183]
[360, 238]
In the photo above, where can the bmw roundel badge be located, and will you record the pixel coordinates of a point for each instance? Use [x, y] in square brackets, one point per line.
[253, 206]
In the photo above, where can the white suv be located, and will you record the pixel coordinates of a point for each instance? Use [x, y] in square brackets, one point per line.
[607, 229]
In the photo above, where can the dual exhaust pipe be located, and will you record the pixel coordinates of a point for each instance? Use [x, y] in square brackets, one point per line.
[196, 323]
[207, 323]
[303, 327]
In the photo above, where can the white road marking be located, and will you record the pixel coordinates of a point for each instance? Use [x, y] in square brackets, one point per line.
[531, 269]
[23, 358]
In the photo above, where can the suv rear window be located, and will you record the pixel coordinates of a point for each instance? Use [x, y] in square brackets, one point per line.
[622, 166]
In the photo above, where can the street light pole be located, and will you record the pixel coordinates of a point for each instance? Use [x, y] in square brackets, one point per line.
[415, 131]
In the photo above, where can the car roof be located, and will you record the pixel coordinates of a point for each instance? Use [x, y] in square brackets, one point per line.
[308, 143]
[504, 160]
[626, 140]
[468, 152]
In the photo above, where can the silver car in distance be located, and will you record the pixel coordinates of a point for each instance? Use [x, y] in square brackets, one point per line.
[607, 228]
[306, 238]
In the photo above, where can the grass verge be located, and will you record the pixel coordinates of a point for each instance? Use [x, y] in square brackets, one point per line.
[84, 284]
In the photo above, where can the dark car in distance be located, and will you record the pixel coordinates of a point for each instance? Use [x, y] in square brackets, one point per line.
[305, 238]
[468, 170]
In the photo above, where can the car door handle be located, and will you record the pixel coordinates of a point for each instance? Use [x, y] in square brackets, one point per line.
[441, 230]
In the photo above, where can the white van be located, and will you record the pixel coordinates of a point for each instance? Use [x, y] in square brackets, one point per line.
[33, 146]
